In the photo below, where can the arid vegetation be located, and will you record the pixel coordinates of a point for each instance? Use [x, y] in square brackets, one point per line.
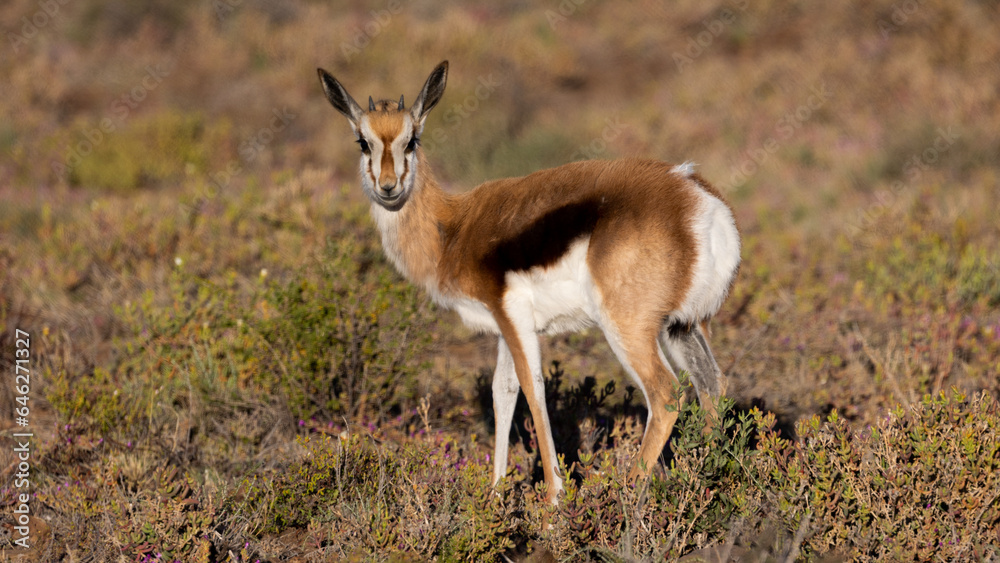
[224, 367]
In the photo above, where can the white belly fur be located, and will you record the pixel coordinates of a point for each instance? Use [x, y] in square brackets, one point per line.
[474, 314]
[561, 296]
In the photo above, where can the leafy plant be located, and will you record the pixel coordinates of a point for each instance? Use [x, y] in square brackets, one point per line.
[344, 339]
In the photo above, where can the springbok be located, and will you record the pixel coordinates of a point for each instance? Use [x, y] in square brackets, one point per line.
[642, 249]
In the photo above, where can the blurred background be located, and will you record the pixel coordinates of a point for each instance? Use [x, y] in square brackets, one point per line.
[169, 169]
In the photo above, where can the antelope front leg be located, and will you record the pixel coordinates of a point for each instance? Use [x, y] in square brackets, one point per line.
[505, 389]
[522, 344]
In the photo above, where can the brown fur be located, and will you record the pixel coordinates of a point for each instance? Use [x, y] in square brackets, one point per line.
[641, 257]
[386, 122]
[641, 253]
[519, 223]
[636, 212]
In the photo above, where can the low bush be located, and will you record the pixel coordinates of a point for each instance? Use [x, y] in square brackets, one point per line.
[146, 151]
[344, 339]
[338, 339]
[920, 485]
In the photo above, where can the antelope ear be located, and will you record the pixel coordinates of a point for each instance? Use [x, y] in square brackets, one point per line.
[431, 93]
[339, 98]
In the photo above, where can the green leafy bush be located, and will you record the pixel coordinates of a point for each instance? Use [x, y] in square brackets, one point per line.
[430, 499]
[920, 485]
[704, 487]
[339, 338]
[147, 151]
[344, 336]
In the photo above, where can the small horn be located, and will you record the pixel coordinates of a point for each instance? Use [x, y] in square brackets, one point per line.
[400, 108]
[371, 104]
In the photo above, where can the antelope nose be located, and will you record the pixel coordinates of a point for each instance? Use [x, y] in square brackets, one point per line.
[387, 187]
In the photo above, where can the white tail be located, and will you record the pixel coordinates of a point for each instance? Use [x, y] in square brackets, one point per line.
[641, 249]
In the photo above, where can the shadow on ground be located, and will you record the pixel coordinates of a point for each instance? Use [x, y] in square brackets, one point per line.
[569, 405]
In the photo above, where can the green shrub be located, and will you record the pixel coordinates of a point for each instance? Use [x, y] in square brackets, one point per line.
[340, 338]
[344, 336]
[920, 485]
[431, 499]
[704, 487]
[175, 357]
[148, 151]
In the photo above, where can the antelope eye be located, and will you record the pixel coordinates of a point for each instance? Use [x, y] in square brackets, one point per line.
[364, 146]
[412, 145]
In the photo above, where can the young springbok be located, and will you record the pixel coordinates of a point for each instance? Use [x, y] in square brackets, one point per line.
[642, 249]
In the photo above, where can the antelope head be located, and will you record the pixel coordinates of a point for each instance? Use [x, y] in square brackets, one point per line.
[389, 136]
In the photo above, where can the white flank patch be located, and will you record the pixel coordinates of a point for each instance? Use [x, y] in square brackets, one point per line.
[561, 296]
[718, 255]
